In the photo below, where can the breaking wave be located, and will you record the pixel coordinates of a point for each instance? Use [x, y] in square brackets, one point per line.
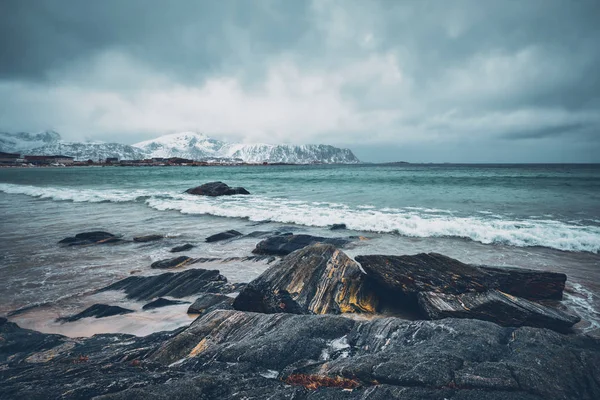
[408, 221]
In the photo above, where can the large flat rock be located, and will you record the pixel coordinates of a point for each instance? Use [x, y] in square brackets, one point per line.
[214, 189]
[497, 307]
[318, 279]
[178, 285]
[434, 272]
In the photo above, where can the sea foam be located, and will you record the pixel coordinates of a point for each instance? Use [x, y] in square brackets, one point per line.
[408, 221]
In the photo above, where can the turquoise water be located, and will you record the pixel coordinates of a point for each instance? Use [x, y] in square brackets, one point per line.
[545, 217]
[540, 205]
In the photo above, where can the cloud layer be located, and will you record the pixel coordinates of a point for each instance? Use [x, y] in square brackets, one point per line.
[466, 81]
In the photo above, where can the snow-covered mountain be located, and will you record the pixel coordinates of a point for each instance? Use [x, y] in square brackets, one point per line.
[198, 146]
[50, 143]
[190, 145]
[16, 142]
[96, 151]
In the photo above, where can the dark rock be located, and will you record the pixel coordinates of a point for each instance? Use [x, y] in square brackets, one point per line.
[282, 245]
[96, 311]
[336, 227]
[177, 285]
[176, 262]
[409, 275]
[216, 189]
[223, 236]
[147, 238]
[497, 307]
[236, 355]
[162, 302]
[318, 279]
[208, 301]
[181, 248]
[87, 238]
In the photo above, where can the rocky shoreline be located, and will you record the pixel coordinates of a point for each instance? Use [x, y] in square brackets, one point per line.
[319, 324]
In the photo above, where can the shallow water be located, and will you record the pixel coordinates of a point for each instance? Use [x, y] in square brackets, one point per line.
[519, 216]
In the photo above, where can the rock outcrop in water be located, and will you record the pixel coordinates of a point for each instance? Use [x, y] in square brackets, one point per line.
[214, 189]
[223, 236]
[162, 302]
[88, 238]
[176, 262]
[319, 279]
[285, 244]
[96, 311]
[177, 285]
[210, 301]
[147, 238]
[183, 247]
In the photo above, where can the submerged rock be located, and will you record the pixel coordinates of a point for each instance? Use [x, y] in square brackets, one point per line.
[223, 236]
[162, 302]
[319, 279]
[497, 307]
[336, 227]
[216, 189]
[147, 238]
[282, 245]
[87, 238]
[177, 285]
[409, 275]
[210, 301]
[181, 248]
[96, 311]
[176, 262]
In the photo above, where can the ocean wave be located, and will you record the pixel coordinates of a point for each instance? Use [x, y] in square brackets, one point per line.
[408, 221]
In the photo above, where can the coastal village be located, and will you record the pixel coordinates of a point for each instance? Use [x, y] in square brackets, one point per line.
[19, 160]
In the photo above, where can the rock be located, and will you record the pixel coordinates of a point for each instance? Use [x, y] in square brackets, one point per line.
[336, 227]
[216, 189]
[181, 248]
[236, 355]
[96, 311]
[147, 238]
[208, 301]
[495, 306]
[223, 236]
[319, 279]
[409, 275]
[285, 244]
[176, 262]
[162, 302]
[177, 285]
[87, 238]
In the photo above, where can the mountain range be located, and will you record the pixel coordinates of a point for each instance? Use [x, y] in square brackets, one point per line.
[190, 145]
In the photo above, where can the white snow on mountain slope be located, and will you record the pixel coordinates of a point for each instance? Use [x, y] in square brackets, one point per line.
[199, 146]
[190, 145]
[16, 142]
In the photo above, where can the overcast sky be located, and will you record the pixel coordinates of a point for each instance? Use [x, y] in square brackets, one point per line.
[430, 81]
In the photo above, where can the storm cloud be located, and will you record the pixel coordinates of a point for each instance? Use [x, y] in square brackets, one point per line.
[461, 81]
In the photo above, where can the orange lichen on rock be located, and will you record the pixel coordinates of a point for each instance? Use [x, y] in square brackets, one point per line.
[313, 382]
[200, 347]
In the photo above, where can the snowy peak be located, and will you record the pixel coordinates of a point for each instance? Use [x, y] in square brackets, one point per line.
[198, 146]
[14, 142]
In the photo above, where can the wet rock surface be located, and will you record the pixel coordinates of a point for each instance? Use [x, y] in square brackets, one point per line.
[176, 262]
[337, 227]
[184, 247]
[96, 311]
[434, 272]
[214, 189]
[319, 279]
[497, 307]
[162, 302]
[210, 301]
[223, 236]
[89, 238]
[147, 238]
[285, 244]
[235, 354]
[177, 285]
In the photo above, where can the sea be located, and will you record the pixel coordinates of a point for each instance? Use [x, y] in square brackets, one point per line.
[544, 217]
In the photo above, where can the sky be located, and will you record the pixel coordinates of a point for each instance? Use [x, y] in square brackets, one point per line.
[418, 81]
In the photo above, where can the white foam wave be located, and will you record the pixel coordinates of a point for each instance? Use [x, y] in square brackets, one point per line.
[413, 222]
